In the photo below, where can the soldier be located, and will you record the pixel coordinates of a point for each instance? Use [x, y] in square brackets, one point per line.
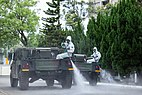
[96, 56]
[69, 47]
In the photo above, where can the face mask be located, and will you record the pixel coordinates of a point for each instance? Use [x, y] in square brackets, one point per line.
[94, 50]
[68, 41]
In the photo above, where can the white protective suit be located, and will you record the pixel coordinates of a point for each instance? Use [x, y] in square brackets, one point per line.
[69, 46]
[95, 56]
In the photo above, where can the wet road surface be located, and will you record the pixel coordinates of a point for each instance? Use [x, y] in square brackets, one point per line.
[39, 88]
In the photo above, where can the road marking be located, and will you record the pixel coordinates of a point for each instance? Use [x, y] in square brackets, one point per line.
[120, 85]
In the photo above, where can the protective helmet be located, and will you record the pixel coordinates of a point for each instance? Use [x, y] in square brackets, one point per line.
[68, 38]
[95, 48]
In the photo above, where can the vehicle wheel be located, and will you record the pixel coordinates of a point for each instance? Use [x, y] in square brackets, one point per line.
[50, 82]
[66, 79]
[93, 79]
[13, 81]
[23, 80]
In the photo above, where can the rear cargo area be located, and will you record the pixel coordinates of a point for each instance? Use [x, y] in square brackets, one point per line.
[46, 64]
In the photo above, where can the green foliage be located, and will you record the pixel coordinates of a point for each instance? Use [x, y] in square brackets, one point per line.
[90, 34]
[73, 15]
[117, 34]
[52, 33]
[74, 21]
[33, 40]
[79, 39]
[17, 21]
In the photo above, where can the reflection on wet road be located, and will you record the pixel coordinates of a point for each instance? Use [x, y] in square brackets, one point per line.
[39, 88]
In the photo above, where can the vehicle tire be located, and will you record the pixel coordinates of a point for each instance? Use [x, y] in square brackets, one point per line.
[50, 82]
[66, 79]
[23, 80]
[93, 79]
[13, 81]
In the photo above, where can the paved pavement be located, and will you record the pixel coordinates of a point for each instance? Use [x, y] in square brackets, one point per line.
[2, 92]
[40, 87]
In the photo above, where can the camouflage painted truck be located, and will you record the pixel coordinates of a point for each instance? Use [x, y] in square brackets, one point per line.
[31, 64]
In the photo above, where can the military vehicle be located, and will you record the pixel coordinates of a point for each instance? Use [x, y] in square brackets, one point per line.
[31, 64]
[91, 71]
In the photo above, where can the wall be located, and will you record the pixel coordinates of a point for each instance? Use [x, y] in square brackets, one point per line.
[4, 69]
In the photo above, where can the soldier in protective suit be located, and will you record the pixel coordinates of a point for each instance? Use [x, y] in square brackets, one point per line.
[69, 49]
[95, 56]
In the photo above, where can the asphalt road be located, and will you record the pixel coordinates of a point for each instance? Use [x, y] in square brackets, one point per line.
[39, 88]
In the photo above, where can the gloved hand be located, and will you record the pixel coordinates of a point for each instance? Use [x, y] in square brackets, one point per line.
[63, 45]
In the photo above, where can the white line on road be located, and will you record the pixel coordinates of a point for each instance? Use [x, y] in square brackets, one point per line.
[120, 85]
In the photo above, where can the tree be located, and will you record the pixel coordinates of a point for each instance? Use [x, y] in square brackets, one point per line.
[33, 40]
[74, 27]
[90, 34]
[51, 26]
[79, 39]
[118, 34]
[74, 11]
[6, 39]
[18, 20]
[126, 30]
